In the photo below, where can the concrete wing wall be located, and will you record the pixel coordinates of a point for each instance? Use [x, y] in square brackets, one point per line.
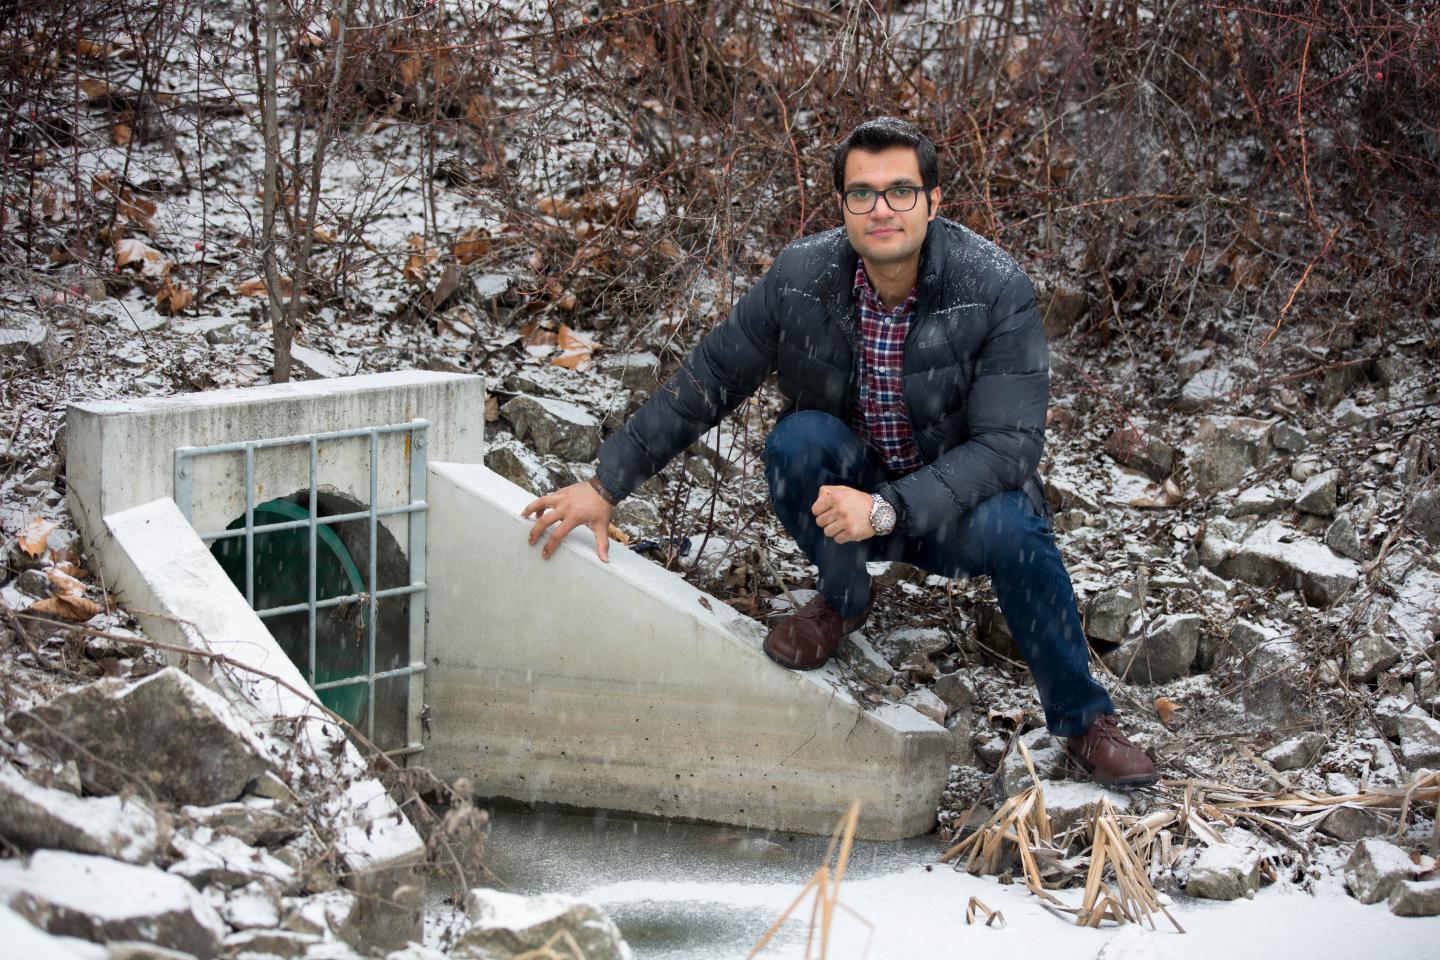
[620, 686]
[121, 453]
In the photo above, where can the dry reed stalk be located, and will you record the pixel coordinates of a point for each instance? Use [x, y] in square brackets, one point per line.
[546, 951]
[1022, 821]
[991, 916]
[1133, 899]
[827, 891]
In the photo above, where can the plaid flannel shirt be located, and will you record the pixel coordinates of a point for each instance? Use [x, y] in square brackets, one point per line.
[879, 416]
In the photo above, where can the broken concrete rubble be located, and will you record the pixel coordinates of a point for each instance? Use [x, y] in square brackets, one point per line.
[505, 925]
[184, 742]
[95, 898]
[554, 426]
[1375, 868]
[1224, 871]
[1163, 653]
[1275, 556]
[32, 816]
[1415, 898]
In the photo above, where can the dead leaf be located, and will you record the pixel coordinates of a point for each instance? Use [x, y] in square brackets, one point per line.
[89, 48]
[64, 583]
[492, 409]
[77, 609]
[151, 262]
[415, 264]
[1165, 709]
[539, 338]
[120, 134]
[470, 246]
[618, 535]
[1012, 719]
[323, 236]
[558, 208]
[576, 352]
[36, 532]
[255, 287]
[172, 298]
[1166, 496]
[94, 89]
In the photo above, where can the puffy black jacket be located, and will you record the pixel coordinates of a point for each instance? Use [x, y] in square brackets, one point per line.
[976, 377]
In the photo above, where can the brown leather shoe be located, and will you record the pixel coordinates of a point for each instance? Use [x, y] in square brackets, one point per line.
[1105, 754]
[805, 639]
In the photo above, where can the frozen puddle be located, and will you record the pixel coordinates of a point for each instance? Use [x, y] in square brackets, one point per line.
[686, 892]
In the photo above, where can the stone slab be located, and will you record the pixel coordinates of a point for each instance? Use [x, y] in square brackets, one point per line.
[620, 686]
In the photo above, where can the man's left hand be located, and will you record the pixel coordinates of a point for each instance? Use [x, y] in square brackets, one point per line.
[844, 514]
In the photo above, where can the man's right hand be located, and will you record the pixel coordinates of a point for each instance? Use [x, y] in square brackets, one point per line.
[573, 506]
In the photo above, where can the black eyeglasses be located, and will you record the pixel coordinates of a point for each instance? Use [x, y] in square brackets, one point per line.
[899, 199]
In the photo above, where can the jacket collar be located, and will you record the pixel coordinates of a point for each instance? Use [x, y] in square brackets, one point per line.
[933, 254]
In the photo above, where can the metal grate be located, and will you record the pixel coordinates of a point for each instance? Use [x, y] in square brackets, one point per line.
[415, 507]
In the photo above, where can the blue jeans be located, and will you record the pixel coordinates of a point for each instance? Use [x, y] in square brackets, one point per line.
[1002, 538]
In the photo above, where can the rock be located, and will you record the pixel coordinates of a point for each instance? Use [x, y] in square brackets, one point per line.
[1164, 653]
[1275, 556]
[285, 944]
[855, 650]
[634, 371]
[1348, 413]
[314, 364]
[1424, 514]
[554, 426]
[1349, 823]
[962, 739]
[322, 914]
[1139, 451]
[1320, 494]
[1045, 752]
[1297, 752]
[22, 939]
[34, 583]
[207, 859]
[1335, 383]
[32, 816]
[1287, 439]
[924, 702]
[1065, 495]
[1225, 450]
[19, 334]
[1258, 502]
[1375, 868]
[133, 950]
[1341, 538]
[1370, 656]
[1224, 871]
[1419, 741]
[1192, 362]
[181, 739]
[95, 898]
[956, 689]
[1108, 613]
[256, 821]
[518, 464]
[1273, 673]
[1206, 387]
[251, 908]
[505, 925]
[1415, 898]
[992, 633]
[902, 644]
[1060, 309]
[1069, 802]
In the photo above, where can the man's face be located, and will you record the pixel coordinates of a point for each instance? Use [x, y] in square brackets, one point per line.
[884, 236]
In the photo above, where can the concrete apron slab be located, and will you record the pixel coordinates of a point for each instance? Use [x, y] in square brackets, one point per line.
[165, 575]
[620, 686]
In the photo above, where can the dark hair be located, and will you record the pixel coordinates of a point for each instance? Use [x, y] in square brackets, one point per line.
[881, 133]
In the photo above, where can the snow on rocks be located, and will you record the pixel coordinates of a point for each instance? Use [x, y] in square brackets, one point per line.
[1320, 494]
[1165, 652]
[1375, 868]
[1224, 871]
[1224, 450]
[181, 740]
[864, 659]
[1276, 556]
[1045, 752]
[554, 426]
[23, 939]
[1295, 753]
[924, 702]
[907, 642]
[1348, 823]
[505, 925]
[99, 899]
[33, 816]
[1419, 741]
[1370, 656]
[1108, 614]
[208, 859]
[1415, 898]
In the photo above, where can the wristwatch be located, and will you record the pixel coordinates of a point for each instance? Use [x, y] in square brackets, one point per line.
[882, 515]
